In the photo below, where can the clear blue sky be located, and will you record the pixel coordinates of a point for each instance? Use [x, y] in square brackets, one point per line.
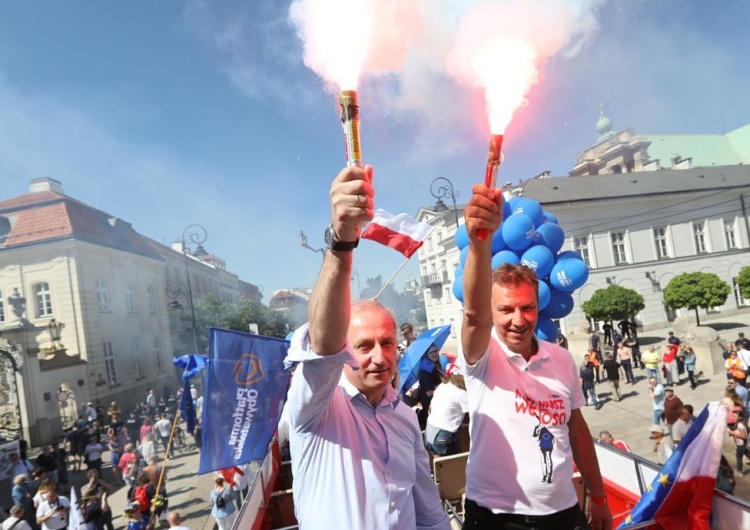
[171, 113]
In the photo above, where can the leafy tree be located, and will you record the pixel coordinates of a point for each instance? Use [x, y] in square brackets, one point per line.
[613, 303]
[696, 289]
[743, 281]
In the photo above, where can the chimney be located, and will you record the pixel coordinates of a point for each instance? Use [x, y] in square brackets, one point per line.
[46, 184]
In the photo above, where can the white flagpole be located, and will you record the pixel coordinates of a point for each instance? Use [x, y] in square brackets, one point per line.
[74, 517]
[390, 279]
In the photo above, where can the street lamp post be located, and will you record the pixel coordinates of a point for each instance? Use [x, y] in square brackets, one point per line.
[441, 188]
[303, 243]
[196, 234]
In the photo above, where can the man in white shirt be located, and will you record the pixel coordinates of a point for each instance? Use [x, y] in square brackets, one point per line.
[175, 521]
[16, 520]
[683, 423]
[524, 398]
[53, 512]
[358, 456]
[163, 428]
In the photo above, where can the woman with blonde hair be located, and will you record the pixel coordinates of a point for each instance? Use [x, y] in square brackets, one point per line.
[222, 506]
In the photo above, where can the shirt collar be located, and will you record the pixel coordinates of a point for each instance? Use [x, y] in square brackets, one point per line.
[541, 352]
[389, 399]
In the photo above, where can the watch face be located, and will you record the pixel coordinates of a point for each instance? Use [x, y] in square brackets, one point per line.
[328, 237]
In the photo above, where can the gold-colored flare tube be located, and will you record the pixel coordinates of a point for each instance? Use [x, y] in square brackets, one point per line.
[350, 123]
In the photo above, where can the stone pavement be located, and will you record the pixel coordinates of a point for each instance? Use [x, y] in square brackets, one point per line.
[630, 419]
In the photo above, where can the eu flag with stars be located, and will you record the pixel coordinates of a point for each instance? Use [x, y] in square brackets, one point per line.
[245, 391]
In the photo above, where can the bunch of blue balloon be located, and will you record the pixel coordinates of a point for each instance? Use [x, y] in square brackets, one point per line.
[531, 236]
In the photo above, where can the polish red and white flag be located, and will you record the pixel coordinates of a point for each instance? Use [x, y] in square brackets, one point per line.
[400, 232]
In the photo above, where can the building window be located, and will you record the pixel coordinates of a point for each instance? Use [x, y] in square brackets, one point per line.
[741, 302]
[43, 300]
[102, 295]
[730, 236]
[618, 247]
[151, 299]
[137, 368]
[429, 243]
[129, 298]
[110, 363]
[660, 240]
[581, 245]
[699, 236]
[2, 308]
[157, 355]
[453, 328]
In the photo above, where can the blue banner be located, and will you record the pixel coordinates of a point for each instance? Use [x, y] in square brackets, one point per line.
[246, 386]
[191, 364]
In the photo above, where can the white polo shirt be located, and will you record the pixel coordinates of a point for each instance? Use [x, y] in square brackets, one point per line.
[448, 406]
[509, 401]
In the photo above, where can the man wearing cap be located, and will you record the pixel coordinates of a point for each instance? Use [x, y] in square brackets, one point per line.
[663, 445]
[16, 520]
[524, 398]
[137, 520]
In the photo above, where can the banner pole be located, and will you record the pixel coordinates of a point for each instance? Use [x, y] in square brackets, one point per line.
[166, 452]
[386, 284]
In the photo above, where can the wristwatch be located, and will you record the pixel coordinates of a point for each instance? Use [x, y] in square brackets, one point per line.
[333, 243]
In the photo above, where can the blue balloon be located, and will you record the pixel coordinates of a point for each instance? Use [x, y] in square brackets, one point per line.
[505, 256]
[544, 295]
[549, 217]
[498, 243]
[458, 290]
[462, 257]
[444, 361]
[540, 259]
[531, 208]
[568, 274]
[550, 235]
[518, 231]
[560, 304]
[461, 237]
[459, 271]
[512, 203]
[546, 329]
[569, 254]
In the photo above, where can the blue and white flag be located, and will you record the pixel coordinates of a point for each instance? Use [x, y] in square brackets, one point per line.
[245, 391]
[191, 364]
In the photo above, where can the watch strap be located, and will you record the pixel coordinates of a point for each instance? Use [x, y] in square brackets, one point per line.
[343, 246]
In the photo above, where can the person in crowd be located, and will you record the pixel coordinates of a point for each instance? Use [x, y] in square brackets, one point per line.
[744, 354]
[17, 519]
[635, 350]
[163, 428]
[725, 476]
[449, 405]
[594, 362]
[429, 378]
[672, 340]
[672, 407]
[175, 521]
[61, 455]
[595, 343]
[651, 362]
[683, 423]
[138, 520]
[128, 464]
[113, 410]
[586, 376]
[690, 359]
[506, 368]
[606, 437]
[18, 466]
[736, 368]
[625, 326]
[663, 445]
[742, 341]
[669, 363]
[657, 395]
[148, 447]
[625, 358]
[93, 508]
[612, 369]
[93, 453]
[742, 394]
[730, 347]
[737, 430]
[52, 514]
[23, 497]
[146, 428]
[37, 477]
[407, 332]
[89, 413]
[222, 510]
[731, 398]
[151, 403]
[607, 330]
[41, 492]
[197, 433]
[48, 461]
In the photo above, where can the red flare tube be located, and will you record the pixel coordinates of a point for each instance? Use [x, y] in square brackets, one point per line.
[490, 174]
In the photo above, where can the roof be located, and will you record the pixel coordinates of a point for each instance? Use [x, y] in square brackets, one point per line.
[45, 216]
[619, 185]
[705, 150]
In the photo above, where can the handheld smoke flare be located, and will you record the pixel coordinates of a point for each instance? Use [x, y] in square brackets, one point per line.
[350, 123]
[494, 156]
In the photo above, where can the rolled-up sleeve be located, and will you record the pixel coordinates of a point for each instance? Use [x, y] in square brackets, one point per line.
[314, 380]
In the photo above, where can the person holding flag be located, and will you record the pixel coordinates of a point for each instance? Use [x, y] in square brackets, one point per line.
[351, 437]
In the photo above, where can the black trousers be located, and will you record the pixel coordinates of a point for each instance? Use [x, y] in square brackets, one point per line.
[477, 517]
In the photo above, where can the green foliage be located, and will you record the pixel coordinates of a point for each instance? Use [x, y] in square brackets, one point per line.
[613, 303]
[211, 312]
[743, 281]
[696, 289]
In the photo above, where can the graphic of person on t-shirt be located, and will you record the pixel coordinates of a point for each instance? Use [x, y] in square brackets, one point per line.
[546, 442]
